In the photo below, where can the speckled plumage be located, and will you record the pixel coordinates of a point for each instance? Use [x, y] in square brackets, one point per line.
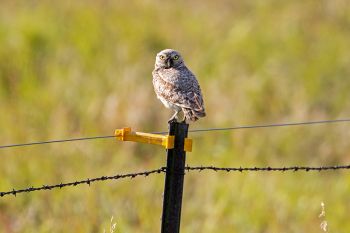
[177, 87]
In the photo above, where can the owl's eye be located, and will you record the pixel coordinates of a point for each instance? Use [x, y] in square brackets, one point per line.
[162, 57]
[176, 57]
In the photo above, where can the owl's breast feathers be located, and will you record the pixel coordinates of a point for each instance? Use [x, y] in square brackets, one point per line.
[180, 87]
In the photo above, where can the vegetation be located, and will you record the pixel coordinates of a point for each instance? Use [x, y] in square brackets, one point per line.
[81, 68]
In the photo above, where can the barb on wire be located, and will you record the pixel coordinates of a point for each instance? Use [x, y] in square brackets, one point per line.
[86, 181]
[187, 168]
[267, 169]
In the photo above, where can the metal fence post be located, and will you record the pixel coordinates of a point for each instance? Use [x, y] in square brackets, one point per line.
[174, 179]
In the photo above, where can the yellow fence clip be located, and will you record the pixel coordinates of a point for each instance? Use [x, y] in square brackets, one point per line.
[188, 145]
[167, 141]
[126, 134]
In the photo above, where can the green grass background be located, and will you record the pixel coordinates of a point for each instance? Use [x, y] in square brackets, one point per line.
[83, 68]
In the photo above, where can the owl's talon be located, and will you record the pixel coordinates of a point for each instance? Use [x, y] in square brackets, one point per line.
[172, 120]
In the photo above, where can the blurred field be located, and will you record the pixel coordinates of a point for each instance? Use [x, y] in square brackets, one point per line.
[83, 68]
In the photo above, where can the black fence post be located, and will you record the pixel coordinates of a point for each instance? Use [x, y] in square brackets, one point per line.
[174, 179]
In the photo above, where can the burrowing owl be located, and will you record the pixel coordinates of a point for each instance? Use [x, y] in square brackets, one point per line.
[177, 87]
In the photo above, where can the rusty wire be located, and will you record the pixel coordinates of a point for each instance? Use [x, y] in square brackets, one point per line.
[187, 168]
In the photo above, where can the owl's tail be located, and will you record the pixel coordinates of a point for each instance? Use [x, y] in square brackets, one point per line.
[193, 115]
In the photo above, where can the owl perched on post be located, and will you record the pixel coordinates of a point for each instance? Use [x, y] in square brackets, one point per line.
[177, 87]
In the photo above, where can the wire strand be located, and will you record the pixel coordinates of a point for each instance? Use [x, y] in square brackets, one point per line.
[190, 131]
[187, 168]
[271, 125]
[86, 181]
[56, 141]
[268, 169]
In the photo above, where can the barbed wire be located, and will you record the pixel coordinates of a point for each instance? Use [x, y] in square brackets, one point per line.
[268, 169]
[187, 168]
[190, 131]
[86, 181]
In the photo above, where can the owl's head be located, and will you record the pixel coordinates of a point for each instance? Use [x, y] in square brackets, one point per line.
[168, 58]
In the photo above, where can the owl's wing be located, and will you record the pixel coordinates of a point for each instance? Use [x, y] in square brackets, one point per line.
[185, 93]
[188, 94]
[191, 99]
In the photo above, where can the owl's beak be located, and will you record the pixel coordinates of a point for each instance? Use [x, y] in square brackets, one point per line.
[169, 63]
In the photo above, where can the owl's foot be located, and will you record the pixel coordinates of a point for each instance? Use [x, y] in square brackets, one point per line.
[172, 120]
